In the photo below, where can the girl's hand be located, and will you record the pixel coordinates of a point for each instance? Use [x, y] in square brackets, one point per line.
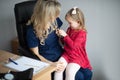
[62, 33]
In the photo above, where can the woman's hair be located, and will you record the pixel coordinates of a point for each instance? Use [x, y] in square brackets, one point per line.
[45, 11]
[77, 15]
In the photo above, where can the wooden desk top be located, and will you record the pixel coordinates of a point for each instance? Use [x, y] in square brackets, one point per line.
[4, 55]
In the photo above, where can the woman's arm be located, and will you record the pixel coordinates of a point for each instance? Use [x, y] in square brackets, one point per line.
[36, 52]
[59, 65]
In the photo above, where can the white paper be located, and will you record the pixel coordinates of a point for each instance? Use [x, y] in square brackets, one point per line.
[26, 63]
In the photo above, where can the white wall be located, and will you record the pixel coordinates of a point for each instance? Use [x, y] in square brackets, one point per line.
[102, 22]
[103, 25]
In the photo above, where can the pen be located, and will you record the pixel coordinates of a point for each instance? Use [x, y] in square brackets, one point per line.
[13, 61]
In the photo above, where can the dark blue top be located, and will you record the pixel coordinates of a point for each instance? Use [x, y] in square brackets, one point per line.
[52, 49]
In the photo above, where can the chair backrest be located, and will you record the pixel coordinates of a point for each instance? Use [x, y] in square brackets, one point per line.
[23, 12]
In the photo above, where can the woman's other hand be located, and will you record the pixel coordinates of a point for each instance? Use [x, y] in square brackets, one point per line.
[59, 66]
[57, 32]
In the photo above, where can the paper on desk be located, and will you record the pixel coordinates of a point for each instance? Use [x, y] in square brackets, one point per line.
[26, 63]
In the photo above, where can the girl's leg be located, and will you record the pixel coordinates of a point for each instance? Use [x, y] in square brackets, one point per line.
[59, 74]
[71, 71]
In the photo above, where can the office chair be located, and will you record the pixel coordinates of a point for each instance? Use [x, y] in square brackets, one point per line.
[23, 12]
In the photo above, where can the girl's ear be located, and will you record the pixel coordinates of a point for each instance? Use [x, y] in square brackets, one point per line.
[78, 21]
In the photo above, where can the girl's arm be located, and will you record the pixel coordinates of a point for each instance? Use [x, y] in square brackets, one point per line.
[79, 39]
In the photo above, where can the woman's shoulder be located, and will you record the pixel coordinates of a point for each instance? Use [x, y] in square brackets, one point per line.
[30, 30]
[30, 26]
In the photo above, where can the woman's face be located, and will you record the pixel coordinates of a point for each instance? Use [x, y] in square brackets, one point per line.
[73, 24]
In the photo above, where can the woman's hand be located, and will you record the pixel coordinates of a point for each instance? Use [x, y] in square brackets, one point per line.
[57, 32]
[59, 66]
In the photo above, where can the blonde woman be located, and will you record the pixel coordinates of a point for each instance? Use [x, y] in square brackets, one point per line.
[41, 36]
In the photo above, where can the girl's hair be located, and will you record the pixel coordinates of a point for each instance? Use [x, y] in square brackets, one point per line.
[45, 11]
[77, 15]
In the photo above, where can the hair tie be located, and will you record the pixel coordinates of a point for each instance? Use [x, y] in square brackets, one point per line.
[74, 10]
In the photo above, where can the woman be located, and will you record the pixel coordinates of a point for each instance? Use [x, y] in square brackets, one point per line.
[41, 31]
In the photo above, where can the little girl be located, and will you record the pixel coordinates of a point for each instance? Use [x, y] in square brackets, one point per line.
[74, 55]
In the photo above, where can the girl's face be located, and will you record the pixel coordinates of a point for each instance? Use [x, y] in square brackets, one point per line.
[73, 24]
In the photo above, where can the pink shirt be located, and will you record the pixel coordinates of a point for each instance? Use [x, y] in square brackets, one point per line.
[74, 47]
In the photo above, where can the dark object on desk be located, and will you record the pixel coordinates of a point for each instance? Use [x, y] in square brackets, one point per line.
[23, 12]
[21, 75]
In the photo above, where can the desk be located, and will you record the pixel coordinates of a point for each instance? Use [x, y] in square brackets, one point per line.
[42, 75]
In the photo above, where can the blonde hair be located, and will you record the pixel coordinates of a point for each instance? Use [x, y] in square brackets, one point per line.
[77, 15]
[45, 12]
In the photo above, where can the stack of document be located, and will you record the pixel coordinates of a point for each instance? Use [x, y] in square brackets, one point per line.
[24, 63]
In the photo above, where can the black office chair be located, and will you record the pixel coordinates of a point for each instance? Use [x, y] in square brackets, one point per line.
[23, 12]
